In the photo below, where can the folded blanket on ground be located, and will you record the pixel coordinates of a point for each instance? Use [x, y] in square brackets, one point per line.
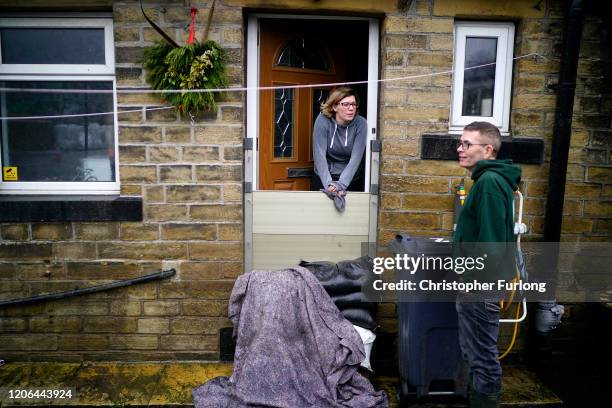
[293, 348]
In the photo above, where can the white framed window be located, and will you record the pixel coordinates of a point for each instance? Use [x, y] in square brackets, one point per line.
[482, 74]
[58, 73]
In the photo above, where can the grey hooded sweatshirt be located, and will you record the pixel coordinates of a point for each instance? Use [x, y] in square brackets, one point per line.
[337, 149]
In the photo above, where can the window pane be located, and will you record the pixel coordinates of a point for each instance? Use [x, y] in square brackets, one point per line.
[303, 53]
[52, 45]
[58, 149]
[479, 83]
[283, 123]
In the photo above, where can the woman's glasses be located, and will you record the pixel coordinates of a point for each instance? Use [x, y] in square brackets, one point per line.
[349, 105]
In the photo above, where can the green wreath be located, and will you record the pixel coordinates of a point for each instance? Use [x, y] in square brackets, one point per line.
[190, 67]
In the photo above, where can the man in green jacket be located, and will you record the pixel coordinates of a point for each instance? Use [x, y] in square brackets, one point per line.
[486, 223]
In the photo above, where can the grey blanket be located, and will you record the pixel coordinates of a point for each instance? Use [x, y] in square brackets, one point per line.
[293, 348]
[338, 197]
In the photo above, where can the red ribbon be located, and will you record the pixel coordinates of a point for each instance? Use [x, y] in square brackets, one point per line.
[191, 26]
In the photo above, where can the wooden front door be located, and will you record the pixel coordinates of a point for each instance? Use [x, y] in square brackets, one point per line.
[293, 52]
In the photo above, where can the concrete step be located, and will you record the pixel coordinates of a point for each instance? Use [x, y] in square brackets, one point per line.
[169, 384]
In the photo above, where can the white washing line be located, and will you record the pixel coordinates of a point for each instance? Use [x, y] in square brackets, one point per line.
[237, 89]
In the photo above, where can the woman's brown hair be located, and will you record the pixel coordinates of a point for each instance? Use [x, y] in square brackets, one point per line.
[335, 96]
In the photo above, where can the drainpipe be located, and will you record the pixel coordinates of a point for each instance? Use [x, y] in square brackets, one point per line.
[558, 174]
[563, 124]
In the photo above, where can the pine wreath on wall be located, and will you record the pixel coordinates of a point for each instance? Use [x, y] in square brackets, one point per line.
[194, 66]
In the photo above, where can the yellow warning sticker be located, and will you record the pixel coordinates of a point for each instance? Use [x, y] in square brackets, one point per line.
[9, 173]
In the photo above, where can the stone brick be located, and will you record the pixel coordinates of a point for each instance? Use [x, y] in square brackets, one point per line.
[441, 42]
[419, 25]
[226, 172]
[410, 220]
[51, 324]
[204, 308]
[96, 231]
[429, 59]
[394, 58]
[390, 201]
[12, 324]
[8, 272]
[232, 153]
[577, 172]
[598, 208]
[132, 154]
[537, 189]
[405, 148]
[429, 96]
[133, 342]
[191, 231]
[531, 83]
[601, 174]
[110, 324]
[102, 270]
[74, 250]
[25, 251]
[197, 325]
[125, 308]
[215, 251]
[230, 232]
[180, 173]
[602, 138]
[607, 191]
[31, 342]
[154, 194]
[166, 212]
[201, 270]
[134, 15]
[531, 66]
[40, 271]
[534, 101]
[15, 232]
[130, 114]
[54, 232]
[216, 212]
[413, 184]
[432, 202]
[186, 342]
[128, 54]
[200, 154]
[415, 112]
[604, 226]
[137, 99]
[585, 156]
[161, 308]
[572, 207]
[434, 168]
[156, 114]
[193, 193]
[405, 41]
[153, 326]
[217, 134]
[582, 190]
[139, 134]
[232, 192]
[533, 206]
[138, 174]
[573, 225]
[232, 35]
[177, 134]
[393, 166]
[132, 250]
[127, 34]
[131, 190]
[163, 154]
[136, 231]
[521, 119]
[78, 307]
[81, 342]
[231, 113]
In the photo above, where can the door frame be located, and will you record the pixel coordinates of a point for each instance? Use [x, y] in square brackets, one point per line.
[251, 156]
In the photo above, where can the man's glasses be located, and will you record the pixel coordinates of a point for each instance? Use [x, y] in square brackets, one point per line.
[465, 145]
[349, 104]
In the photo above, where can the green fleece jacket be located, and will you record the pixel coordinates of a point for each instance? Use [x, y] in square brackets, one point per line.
[487, 217]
